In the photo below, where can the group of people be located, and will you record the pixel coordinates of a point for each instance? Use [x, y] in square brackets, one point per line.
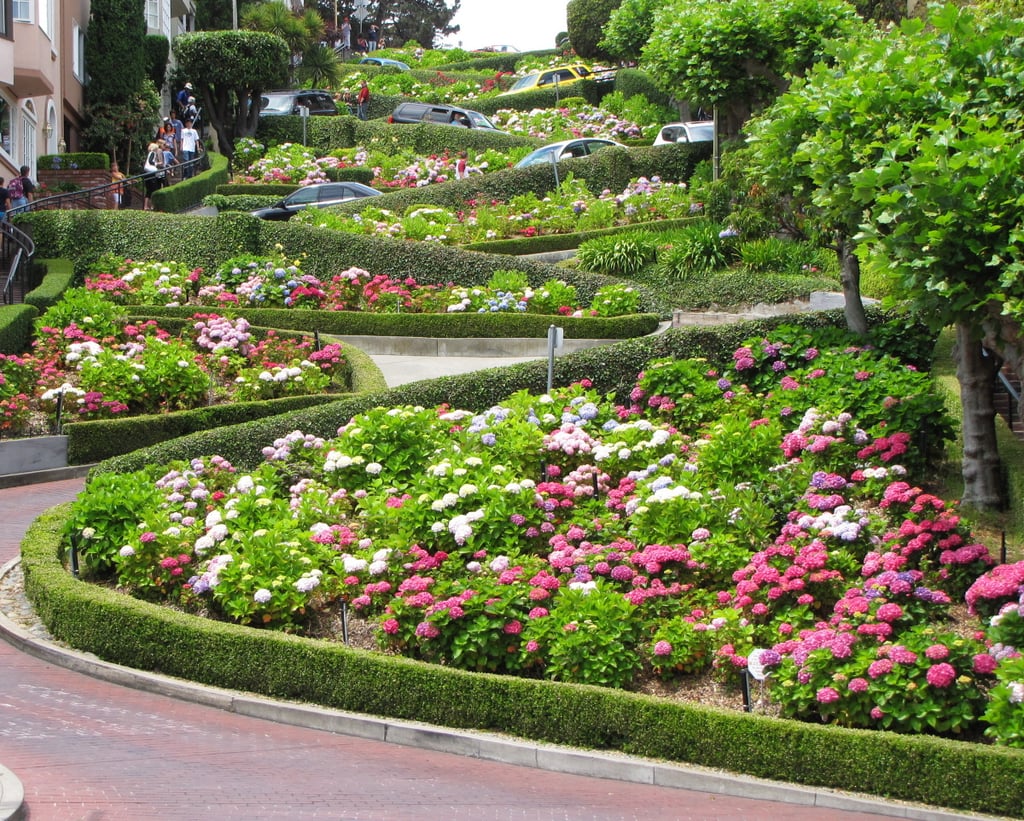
[177, 141]
[17, 193]
[365, 43]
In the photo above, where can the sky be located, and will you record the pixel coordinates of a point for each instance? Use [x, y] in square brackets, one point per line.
[528, 25]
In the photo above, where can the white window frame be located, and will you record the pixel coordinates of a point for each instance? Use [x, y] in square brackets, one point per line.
[77, 51]
[22, 10]
[27, 144]
[7, 146]
[153, 16]
[45, 8]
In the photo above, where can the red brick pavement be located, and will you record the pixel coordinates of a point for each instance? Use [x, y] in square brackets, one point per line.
[88, 750]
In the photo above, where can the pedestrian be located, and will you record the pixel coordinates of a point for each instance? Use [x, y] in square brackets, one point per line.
[363, 101]
[117, 177]
[372, 37]
[170, 160]
[178, 127]
[154, 173]
[462, 167]
[21, 189]
[183, 95]
[5, 201]
[189, 148]
[346, 35]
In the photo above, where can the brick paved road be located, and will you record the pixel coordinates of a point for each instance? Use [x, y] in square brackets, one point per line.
[86, 750]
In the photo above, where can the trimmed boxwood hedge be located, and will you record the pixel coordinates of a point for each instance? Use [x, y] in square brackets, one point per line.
[447, 326]
[58, 277]
[16, 327]
[118, 629]
[208, 241]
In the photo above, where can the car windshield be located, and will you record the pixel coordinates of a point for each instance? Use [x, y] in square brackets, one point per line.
[276, 103]
[540, 155]
[480, 121]
[524, 82]
[701, 132]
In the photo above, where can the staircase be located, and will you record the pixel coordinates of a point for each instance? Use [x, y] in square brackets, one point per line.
[1007, 400]
[17, 276]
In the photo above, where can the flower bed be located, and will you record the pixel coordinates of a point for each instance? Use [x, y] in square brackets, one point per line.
[564, 537]
[268, 282]
[89, 361]
[568, 209]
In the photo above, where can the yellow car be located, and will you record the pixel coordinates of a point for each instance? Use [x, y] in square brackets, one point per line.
[549, 77]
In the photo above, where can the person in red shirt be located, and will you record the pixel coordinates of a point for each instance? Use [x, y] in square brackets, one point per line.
[363, 100]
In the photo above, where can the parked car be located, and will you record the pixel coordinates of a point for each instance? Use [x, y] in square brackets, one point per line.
[558, 75]
[697, 131]
[315, 196]
[566, 149]
[439, 115]
[385, 62]
[319, 103]
[499, 49]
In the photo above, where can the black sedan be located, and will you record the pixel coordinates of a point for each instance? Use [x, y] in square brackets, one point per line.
[315, 196]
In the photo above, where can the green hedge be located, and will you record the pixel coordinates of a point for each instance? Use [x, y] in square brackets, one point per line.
[118, 629]
[59, 276]
[186, 193]
[208, 241]
[446, 326]
[82, 160]
[325, 134]
[563, 242]
[16, 327]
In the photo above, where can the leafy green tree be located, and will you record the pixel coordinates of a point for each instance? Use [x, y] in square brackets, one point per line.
[586, 20]
[911, 145]
[628, 28]
[118, 103]
[231, 70]
[740, 55]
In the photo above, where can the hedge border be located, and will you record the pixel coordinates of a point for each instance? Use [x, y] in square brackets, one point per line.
[138, 634]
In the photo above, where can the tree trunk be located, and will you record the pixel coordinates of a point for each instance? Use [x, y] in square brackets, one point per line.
[849, 275]
[983, 482]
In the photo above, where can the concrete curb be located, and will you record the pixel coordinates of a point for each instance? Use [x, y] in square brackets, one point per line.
[487, 746]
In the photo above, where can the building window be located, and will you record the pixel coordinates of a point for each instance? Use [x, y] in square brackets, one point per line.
[78, 51]
[5, 18]
[153, 15]
[46, 17]
[23, 11]
[5, 128]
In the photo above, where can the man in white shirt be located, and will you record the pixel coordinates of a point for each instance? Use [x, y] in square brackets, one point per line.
[189, 147]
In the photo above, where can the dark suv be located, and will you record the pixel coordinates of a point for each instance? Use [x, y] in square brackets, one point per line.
[319, 103]
[439, 115]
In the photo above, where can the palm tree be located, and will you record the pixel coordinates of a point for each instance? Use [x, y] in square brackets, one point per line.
[320, 67]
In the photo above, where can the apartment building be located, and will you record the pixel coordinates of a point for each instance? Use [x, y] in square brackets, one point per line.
[43, 73]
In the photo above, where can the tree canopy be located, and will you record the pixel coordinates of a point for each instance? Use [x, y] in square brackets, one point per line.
[740, 55]
[586, 20]
[910, 143]
[231, 70]
[121, 104]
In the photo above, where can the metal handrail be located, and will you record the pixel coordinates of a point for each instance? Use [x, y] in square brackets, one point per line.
[98, 197]
[24, 250]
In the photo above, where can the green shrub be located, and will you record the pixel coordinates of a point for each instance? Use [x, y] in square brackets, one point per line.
[731, 290]
[695, 251]
[619, 254]
[59, 277]
[16, 323]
